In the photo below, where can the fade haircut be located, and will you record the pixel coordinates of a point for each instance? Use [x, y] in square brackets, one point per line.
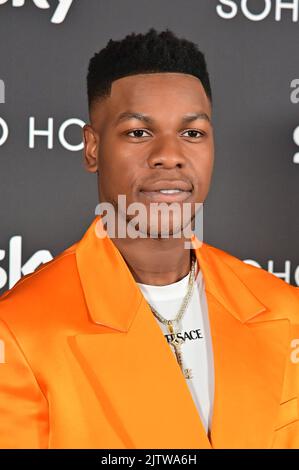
[144, 53]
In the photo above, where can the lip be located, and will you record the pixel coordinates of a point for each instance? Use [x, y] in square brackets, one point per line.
[167, 184]
[151, 191]
[156, 196]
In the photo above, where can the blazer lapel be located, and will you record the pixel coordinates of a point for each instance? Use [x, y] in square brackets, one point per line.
[137, 379]
[250, 346]
[132, 370]
[127, 360]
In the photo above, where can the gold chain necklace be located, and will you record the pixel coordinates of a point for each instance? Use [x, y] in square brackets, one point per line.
[176, 342]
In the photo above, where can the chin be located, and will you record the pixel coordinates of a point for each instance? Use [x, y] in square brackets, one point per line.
[171, 228]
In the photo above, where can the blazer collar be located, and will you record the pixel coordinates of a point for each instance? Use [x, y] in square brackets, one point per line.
[104, 273]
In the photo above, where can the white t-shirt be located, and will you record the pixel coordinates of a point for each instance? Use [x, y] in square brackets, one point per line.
[197, 353]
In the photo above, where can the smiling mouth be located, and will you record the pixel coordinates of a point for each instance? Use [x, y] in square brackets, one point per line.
[167, 195]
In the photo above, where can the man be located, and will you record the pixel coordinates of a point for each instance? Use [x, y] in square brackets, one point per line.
[142, 342]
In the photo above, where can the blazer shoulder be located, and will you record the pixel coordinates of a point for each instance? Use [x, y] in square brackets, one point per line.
[267, 287]
[39, 294]
[45, 274]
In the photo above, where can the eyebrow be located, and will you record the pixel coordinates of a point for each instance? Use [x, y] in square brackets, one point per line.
[126, 115]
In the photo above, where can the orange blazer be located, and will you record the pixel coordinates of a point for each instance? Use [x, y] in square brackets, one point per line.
[84, 363]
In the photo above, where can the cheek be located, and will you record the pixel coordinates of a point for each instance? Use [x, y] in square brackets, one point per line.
[119, 166]
[204, 165]
[115, 176]
[113, 155]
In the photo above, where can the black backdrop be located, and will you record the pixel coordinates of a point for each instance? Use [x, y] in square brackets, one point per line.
[47, 200]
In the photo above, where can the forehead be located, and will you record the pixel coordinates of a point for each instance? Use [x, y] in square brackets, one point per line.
[156, 93]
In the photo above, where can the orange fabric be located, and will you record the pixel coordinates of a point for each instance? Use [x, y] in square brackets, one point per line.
[87, 366]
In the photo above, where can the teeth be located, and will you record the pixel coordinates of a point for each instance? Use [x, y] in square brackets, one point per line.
[169, 191]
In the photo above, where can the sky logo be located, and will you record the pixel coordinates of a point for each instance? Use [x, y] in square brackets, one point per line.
[16, 267]
[60, 12]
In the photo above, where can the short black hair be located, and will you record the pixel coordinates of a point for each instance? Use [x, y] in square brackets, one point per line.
[144, 53]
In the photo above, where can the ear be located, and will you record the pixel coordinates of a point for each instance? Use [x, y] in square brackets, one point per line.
[90, 148]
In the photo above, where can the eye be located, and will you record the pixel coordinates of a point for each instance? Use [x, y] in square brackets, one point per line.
[137, 132]
[195, 131]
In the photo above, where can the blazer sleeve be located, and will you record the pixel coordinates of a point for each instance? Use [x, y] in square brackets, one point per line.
[23, 406]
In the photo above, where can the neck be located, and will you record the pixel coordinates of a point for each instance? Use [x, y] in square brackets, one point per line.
[155, 261]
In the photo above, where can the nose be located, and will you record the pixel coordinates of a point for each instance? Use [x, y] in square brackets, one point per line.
[166, 154]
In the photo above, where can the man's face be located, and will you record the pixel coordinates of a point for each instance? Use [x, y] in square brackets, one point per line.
[152, 133]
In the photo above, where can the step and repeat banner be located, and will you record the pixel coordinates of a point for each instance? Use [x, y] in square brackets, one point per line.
[47, 199]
